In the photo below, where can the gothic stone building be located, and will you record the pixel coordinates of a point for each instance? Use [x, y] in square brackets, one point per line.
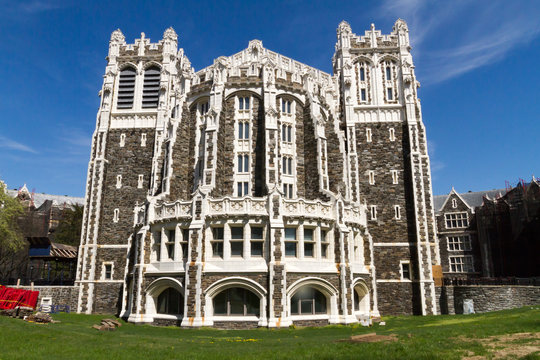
[259, 191]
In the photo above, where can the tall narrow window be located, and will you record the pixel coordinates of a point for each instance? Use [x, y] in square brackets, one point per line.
[286, 133]
[368, 135]
[143, 140]
[242, 188]
[324, 243]
[406, 271]
[243, 130]
[392, 134]
[204, 107]
[243, 103]
[390, 94]
[394, 176]
[286, 106]
[362, 74]
[107, 273]
[237, 241]
[371, 177]
[243, 163]
[184, 243]
[122, 140]
[118, 181]
[454, 203]
[217, 242]
[150, 97]
[126, 88]
[309, 243]
[257, 241]
[116, 216]
[157, 245]
[288, 191]
[171, 236]
[140, 181]
[363, 94]
[397, 212]
[373, 211]
[388, 73]
[287, 165]
[290, 242]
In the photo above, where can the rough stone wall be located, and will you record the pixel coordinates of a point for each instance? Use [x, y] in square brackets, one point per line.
[61, 295]
[258, 145]
[183, 157]
[300, 150]
[234, 325]
[401, 298]
[488, 298]
[225, 151]
[335, 157]
[107, 298]
[128, 161]
[320, 322]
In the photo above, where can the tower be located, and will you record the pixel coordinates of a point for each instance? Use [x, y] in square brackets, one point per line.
[137, 80]
[388, 163]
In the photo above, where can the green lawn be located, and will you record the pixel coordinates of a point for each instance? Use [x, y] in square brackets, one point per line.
[430, 337]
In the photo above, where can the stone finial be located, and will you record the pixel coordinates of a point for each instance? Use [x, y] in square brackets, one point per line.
[400, 25]
[170, 34]
[344, 27]
[117, 36]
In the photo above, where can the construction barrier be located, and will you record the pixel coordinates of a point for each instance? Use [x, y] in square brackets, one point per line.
[11, 298]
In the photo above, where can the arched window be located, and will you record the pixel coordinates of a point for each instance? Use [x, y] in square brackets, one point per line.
[151, 87]
[170, 301]
[126, 88]
[236, 302]
[308, 301]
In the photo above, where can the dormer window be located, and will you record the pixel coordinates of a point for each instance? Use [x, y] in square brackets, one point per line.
[243, 103]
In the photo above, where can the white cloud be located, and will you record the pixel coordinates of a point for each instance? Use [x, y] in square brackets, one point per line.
[14, 145]
[453, 37]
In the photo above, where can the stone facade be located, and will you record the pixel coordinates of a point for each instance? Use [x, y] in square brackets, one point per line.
[259, 191]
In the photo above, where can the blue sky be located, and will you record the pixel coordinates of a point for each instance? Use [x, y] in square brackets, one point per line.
[477, 62]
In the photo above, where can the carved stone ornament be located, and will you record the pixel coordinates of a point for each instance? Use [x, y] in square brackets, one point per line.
[271, 112]
[170, 34]
[400, 25]
[344, 27]
[117, 36]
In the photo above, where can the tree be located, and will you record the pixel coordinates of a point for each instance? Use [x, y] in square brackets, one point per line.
[12, 244]
[11, 235]
[69, 228]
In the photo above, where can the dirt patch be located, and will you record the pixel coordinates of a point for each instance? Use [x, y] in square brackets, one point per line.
[370, 338]
[504, 346]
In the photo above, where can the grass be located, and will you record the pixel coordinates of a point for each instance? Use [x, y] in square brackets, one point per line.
[430, 337]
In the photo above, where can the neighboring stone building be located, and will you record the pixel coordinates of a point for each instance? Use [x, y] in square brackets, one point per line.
[42, 260]
[259, 191]
[490, 234]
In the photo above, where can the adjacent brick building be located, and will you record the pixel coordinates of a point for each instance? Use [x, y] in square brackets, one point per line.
[259, 191]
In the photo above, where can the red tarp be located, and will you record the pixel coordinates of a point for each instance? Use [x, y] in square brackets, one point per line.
[10, 298]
